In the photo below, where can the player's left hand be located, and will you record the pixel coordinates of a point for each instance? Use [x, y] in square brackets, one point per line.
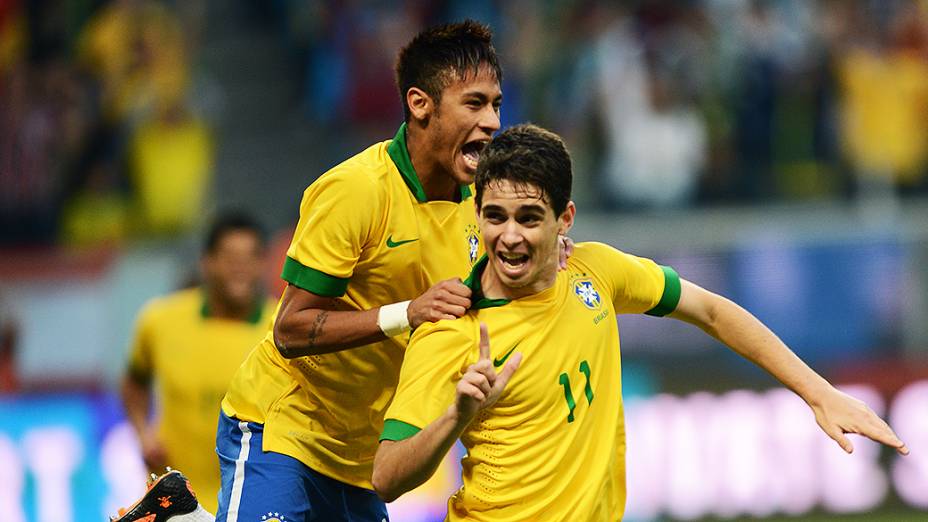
[565, 250]
[838, 413]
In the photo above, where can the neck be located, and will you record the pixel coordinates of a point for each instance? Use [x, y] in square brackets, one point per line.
[225, 309]
[437, 182]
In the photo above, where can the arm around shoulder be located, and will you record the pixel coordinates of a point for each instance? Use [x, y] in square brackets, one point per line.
[311, 324]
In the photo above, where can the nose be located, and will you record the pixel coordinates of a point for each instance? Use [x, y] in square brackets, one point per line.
[511, 236]
[489, 119]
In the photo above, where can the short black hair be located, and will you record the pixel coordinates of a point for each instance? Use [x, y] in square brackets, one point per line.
[438, 55]
[232, 221]
[528, 156]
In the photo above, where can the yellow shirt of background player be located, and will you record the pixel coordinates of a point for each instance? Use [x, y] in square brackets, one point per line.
[192, 357]
[553, 446]
[367, 236]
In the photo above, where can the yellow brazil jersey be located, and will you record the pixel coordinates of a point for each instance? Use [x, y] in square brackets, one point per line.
[553, 447]
[367, 237]
[175, 339]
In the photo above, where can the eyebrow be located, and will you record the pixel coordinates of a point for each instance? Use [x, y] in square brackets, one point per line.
[481, 96]
[524, 208]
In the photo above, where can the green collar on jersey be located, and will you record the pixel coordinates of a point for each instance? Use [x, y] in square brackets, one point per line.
[254, 317]
[400, 155]
[478, 300]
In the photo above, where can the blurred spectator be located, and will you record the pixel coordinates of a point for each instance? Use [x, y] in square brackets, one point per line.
[171, 166]
[137, 50]
[98, 213]
[884, 82]
[656, 138]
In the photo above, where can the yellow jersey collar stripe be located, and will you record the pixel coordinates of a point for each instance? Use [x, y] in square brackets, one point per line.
[397, 430]
[400, 156]
[313, 280]
[478, 300]
[671, 296]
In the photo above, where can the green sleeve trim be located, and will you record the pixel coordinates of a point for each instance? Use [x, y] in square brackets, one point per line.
[671, 297]
[313, 280]
[397, 430]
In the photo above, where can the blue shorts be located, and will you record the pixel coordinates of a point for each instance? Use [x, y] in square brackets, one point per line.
[259, 485]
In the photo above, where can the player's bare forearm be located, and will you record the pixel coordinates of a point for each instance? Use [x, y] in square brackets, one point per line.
[835, 412]
[401, 466]
[309, 324]
[746, 335]
[315, 332]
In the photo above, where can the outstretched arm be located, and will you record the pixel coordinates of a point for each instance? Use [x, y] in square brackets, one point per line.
[310, 324]
[836, 413]
[401, 466]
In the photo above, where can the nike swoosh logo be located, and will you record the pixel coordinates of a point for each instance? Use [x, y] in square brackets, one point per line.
[394, 244]
[499, 362]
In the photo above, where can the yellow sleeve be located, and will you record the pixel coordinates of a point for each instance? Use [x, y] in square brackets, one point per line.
[437, 356]
[636, 284]
[141, 365]
[337, 215]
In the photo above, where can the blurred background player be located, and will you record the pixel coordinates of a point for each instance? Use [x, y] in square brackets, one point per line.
[186, 347]
[542, 449]
[374, 233]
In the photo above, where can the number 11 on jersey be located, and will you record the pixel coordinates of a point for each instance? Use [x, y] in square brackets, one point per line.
[564, 380]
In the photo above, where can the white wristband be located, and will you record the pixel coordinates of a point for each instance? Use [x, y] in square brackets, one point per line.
[392, 318]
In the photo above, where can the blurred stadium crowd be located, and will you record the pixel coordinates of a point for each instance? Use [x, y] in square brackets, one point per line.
[103, 135]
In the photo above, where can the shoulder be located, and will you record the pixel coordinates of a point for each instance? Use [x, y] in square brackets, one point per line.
[169, 306]
[590, 255]
[364, 174]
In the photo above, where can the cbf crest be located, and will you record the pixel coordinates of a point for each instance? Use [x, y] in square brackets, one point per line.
[587, 294]
[473, 242]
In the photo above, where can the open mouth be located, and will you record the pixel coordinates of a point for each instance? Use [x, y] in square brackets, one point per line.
[471, 152]
[514, 261]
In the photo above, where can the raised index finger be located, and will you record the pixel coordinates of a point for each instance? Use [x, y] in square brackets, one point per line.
[484, 342]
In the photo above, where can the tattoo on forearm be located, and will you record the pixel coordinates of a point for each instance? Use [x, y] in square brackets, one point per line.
[316, 329]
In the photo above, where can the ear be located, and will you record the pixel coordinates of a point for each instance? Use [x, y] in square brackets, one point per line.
[420, 104]
[566, 219]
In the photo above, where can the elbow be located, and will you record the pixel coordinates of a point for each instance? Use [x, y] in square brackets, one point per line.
[282, 341]
[383, 486]
[383, 481]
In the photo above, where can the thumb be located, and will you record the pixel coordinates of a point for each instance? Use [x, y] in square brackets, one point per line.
[841, 439]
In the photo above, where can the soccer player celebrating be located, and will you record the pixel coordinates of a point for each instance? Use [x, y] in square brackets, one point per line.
[546, 442]
[191, 343]
[300, 422]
